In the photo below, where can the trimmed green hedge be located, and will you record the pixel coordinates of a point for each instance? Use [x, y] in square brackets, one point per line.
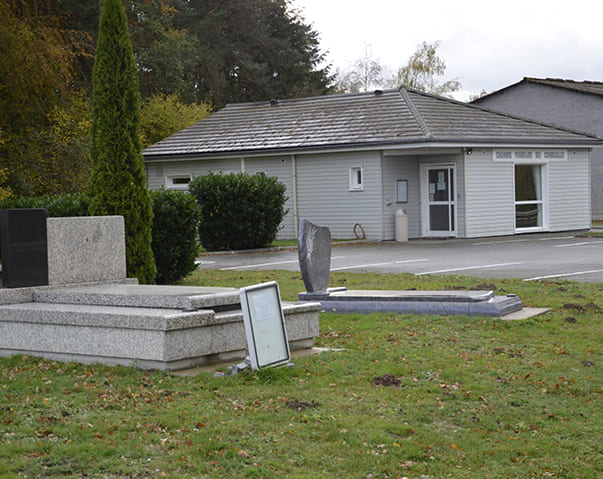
[74, 204]
[239, 211]
[175, 230]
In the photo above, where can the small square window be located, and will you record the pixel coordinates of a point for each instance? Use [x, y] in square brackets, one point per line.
[356, 178]
[177, 182]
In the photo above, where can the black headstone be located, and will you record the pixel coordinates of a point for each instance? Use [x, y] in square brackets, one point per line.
[314, 253]
[24, 247]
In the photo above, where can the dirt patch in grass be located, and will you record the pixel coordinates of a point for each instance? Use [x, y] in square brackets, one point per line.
[298, 405]
[387, 380]
[581, 308]
[484, 286]
[511, 354]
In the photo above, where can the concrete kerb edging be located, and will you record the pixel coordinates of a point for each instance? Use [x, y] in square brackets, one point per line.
[281, 248]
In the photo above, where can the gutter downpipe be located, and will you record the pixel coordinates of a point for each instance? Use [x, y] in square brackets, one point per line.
[294, 193]
[383, 205]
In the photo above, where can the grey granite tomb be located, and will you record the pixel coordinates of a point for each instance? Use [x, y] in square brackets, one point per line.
[91, 312]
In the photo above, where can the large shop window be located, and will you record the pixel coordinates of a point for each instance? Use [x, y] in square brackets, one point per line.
[529, 205]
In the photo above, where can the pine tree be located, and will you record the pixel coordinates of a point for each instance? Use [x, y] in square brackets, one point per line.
[118, 182]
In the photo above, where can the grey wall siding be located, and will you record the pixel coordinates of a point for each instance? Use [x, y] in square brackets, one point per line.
[490, 197]
[569, 205]
[569, 109]
[325, 199]
[158, 171]
[155, 178]
[401, 168]
[281, 167]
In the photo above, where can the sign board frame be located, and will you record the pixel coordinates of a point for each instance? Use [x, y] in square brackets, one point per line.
[264, 325]
[401, 191]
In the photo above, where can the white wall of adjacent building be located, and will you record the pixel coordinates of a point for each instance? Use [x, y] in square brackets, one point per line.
[323, 188]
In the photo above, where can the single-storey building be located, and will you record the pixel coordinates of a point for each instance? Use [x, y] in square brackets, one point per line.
[569, 104]
[350, 161]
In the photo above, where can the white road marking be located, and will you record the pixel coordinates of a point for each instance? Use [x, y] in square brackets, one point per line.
[556, 238]
[485, 266]
[368, 265]
[522, 240]
[259, 265]
[498, 242]
[576, 273]
[583, 243]
[200, 261]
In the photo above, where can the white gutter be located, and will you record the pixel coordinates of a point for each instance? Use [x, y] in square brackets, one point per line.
[385, 148]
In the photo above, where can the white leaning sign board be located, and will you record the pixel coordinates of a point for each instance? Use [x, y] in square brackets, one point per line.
[264, 325]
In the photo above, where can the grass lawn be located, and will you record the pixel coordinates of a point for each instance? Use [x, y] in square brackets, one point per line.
[408, 396]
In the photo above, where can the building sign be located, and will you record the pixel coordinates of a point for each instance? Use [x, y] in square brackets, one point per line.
[539, 156]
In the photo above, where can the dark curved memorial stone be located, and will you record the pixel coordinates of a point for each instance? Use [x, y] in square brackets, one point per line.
[314, 253]
[24, 247]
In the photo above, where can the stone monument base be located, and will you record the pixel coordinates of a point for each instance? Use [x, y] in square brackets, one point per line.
[447, 303]
[123, 323]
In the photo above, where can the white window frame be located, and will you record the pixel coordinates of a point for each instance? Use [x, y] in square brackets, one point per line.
[356, 177]
[543, 202]
[170, 184]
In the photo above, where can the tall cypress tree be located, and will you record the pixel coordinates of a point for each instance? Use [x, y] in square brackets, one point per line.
[118, 182]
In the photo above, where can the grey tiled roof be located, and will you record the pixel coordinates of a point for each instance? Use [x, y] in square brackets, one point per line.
[592, 87]
[588, 87]
[387, 118]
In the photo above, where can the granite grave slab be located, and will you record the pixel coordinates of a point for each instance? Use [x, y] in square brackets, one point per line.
[313, 243]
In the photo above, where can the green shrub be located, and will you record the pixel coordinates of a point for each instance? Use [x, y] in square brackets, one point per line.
[238, 211]
[175, 230]
[73, 204]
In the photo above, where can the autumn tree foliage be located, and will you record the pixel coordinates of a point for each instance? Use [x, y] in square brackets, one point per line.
[36, 81]
[367, 72]
[163, 115]
[424, 71]
[203, 53]
[118, 182]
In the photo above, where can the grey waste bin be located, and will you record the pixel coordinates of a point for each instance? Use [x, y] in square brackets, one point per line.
[401, 225]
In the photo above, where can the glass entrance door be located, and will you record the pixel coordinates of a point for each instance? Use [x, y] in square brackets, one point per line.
[439, 215]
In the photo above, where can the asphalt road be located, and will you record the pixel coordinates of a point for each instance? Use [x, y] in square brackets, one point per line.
[529, 257]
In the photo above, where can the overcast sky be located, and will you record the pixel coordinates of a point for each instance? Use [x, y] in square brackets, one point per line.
[486, 45]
